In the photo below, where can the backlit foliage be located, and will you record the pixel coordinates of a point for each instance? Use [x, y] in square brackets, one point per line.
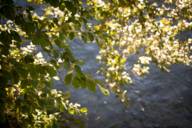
[149, 29]
[34, 43]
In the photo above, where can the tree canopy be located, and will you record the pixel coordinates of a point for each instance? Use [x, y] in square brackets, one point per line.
[34, 44]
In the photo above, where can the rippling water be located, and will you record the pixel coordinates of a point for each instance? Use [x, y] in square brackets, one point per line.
[159, 100]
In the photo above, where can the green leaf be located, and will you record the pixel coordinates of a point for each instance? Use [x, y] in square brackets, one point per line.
[76, 82]
[43, 41]
[68, 78]
[15, 76]
[78, 70]
[66, 95]
[8, 11]
[71, 111]
[91, 37]
[91, 84]
[84, 37]
[70, 6]
[54, 3]
[28, 59]
[104, 90]
[71, 35]
[51, 71]
[84, 110]
[30, 27]
[82, 81]
[60, 43]
[15, 36]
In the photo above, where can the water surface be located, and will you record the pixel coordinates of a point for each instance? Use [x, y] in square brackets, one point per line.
[159, 100]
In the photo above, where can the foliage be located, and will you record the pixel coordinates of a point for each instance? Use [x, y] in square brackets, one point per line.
[32, 49]
[34, 43]
[148, 29]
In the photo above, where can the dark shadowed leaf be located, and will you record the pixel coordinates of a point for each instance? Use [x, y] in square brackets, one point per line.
[70, 6]
[91, 84]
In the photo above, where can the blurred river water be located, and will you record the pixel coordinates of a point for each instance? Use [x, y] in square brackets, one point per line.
[159, 100]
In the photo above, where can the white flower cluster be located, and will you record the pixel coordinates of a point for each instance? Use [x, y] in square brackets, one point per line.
[11, 26]
[144, 60]
[28, 49]
[140, 70]
[39, 59]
